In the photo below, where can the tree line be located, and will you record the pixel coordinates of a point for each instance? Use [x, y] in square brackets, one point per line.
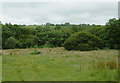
[54, 35]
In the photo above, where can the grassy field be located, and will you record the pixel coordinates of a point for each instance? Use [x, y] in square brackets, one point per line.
[58, 64]
[0, 68]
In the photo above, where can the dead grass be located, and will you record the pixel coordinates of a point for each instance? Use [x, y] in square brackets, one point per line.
[112, 64]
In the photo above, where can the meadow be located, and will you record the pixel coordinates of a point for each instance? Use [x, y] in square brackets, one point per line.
[58, 64]
[0, 68]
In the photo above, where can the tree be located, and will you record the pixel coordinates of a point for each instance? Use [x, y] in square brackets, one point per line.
[57, 27]
[113, 33]
[83, 41]
[10, 43]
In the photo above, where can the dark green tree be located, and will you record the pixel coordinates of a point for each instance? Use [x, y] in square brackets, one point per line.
[83, 41]
[113, 34]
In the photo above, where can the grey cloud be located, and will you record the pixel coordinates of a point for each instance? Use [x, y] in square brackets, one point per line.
[59, 12]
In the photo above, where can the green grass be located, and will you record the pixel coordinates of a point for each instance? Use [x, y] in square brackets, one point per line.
[0, 68]
[57, 64]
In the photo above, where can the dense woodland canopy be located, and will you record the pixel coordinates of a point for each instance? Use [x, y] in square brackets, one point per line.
[54, 35]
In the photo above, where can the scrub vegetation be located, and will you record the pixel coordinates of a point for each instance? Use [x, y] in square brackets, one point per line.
[61, 52]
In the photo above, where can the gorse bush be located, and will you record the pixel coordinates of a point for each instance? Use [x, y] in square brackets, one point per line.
[83, 41]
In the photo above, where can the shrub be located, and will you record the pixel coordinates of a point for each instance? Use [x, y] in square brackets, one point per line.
[0, 54]
[112, 36]
[11, 43]
[83, 47]
[52, 38]
[83, 41]
[36, 52]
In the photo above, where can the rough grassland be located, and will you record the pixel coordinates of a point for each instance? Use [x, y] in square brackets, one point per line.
[0, 68]
[58, 64]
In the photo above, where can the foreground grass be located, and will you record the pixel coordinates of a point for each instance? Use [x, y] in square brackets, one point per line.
[57, 64]
[0, 68]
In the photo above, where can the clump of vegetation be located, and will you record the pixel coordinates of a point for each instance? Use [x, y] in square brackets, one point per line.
[101, 65]
[10, 53]
[36, 52]
[11, 43]
[0, 54]
[113, 34]
[51, 35]
[112, 64]
[83, 41]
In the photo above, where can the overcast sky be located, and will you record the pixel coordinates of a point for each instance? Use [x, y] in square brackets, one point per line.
[58, 12]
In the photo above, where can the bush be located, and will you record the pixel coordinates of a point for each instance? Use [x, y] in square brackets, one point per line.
[112, 35]
[83, 41]
[11, 43]
[0, 54]
[53, 38]
[83, 47]
[36, 52]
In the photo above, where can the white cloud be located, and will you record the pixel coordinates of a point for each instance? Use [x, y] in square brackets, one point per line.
[58, 12]
[59, 0]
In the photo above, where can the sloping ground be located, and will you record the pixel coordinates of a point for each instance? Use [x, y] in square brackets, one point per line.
[58, 64]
